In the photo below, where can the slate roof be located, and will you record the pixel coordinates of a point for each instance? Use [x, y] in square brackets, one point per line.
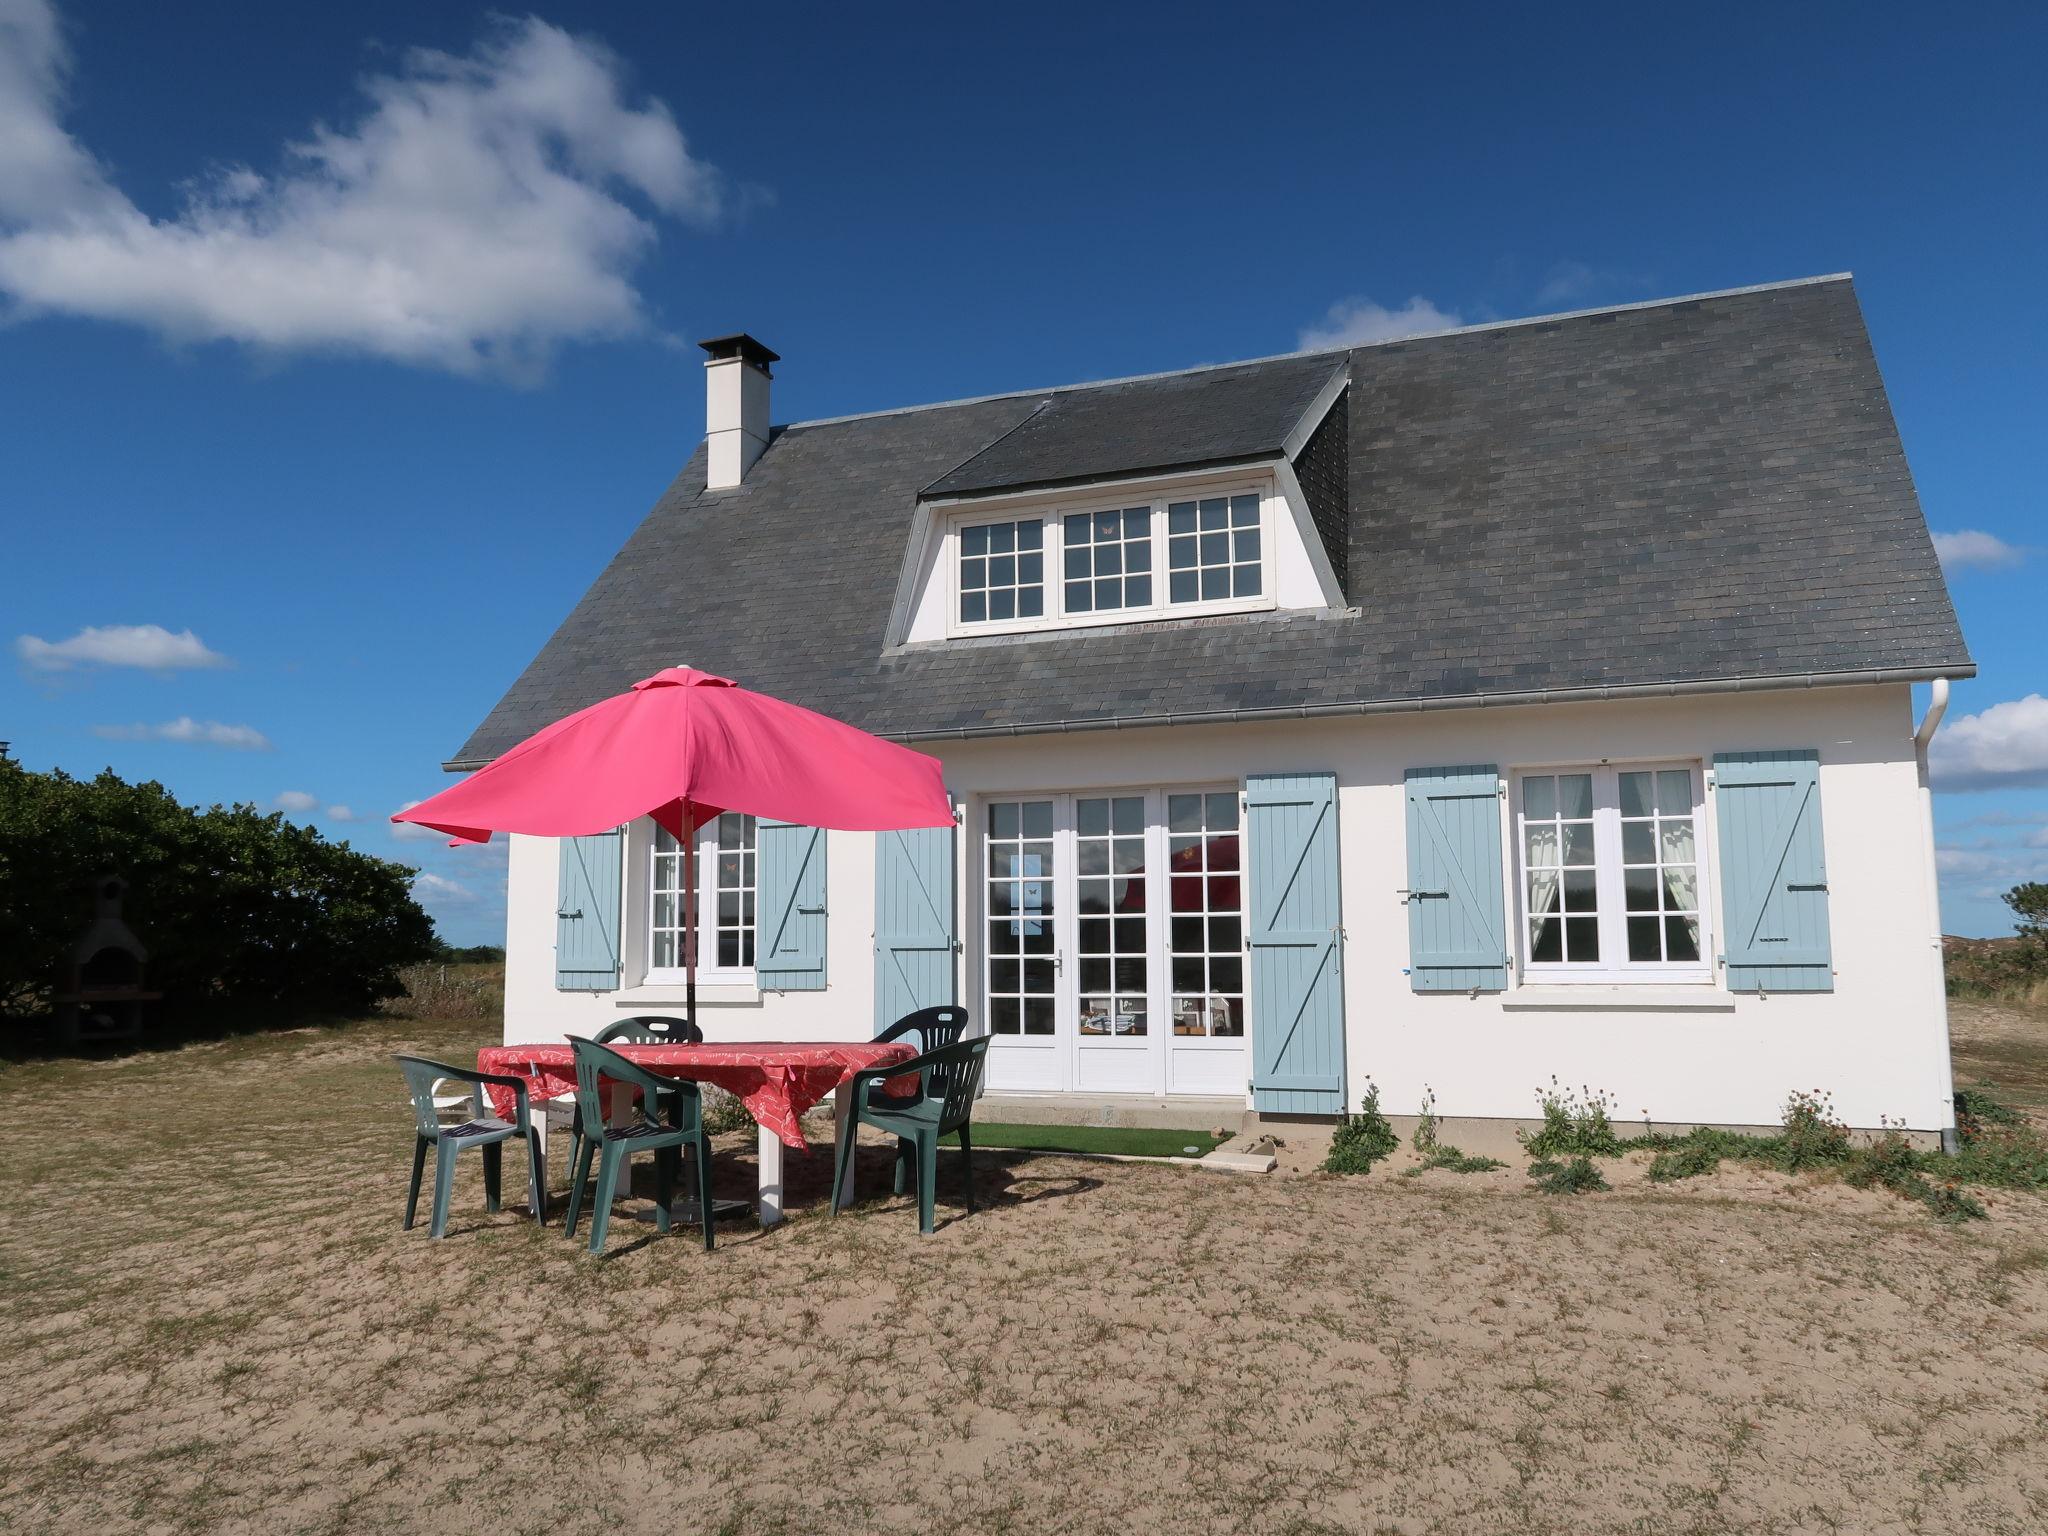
[1177, 421]
[1685, 493]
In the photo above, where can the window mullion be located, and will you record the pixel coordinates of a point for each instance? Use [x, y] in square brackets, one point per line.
[1608, 879]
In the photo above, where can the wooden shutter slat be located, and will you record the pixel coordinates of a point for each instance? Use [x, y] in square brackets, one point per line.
[789, 906]
[1294, 906]
[914, 922]
[1774, 898]
[589, 880]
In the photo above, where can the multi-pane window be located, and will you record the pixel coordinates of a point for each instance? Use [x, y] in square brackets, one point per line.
[1660, 864]
[1562, 880]
[1610, 871]
[1206, 934]
[1109, 855]
[1080, 565]
[1021, 945]
[1108, 560]
[1212, 549]
[1002, 571]
[725, 873]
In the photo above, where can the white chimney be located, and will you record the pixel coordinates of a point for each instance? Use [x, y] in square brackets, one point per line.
[735, 407]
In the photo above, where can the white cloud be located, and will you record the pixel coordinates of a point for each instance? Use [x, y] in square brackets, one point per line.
[1357, 322]
[340, 813]
[473, 215]
[203, 733]
[1969, 549]
[150, 646]
[2003, 747]
[429, 887]
[296, 800]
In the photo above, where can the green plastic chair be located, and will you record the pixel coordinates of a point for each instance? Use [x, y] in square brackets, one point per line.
[643, 1029]
[615, 1145]
[950, 1077]
[483, 1129]
[933, 1027]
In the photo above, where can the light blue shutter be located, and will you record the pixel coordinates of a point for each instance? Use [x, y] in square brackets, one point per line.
[1457, 919]
[914, 927]
[588, 882]
[789, 906]
[1297, 941]
[1774, 873]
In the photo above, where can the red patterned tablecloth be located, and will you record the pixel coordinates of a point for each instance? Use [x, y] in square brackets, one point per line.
[777, 1080]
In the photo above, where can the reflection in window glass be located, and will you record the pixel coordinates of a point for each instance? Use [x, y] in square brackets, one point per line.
[1020, 917]
[1205, 943]
[1108, 559]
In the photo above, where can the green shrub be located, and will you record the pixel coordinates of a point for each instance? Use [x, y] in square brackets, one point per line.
[1566, 1178]
[1424, 1140]
[1891, 1163]
[1574, 1124]
[1688, 1160]
[248, 918]
[1813, 1137]
[1449, 1158]
[1363, 1139]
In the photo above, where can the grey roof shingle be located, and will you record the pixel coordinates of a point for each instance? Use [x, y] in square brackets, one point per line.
[1686, 492]
[1226, 415]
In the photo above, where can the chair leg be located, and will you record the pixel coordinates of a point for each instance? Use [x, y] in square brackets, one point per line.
[579, 1175]
[967, 1164]
[610, 1160]
[444, 1183]
[664, 1186]
[494, 1176]
[419, 1168]
[537, 1178]
[700, 1154]
[927, 1179]
[903, 1162]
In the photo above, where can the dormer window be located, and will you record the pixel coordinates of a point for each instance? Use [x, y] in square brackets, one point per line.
[1187, 544]
[1163, 556]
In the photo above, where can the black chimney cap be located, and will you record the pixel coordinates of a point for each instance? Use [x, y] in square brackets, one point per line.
[742, 346]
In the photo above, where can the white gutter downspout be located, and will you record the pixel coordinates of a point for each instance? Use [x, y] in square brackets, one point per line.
[1937, 706]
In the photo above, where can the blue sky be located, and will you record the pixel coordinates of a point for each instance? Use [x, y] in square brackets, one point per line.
[350, 341]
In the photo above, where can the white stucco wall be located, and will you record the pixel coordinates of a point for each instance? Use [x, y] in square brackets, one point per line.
[1878, 1042]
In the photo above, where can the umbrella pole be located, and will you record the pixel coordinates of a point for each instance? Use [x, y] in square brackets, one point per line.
[690, 914]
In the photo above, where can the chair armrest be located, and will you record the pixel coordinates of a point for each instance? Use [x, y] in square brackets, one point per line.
[521, 1094]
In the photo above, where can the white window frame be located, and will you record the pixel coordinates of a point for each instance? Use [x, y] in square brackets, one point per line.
[1055, 510]
[1610, 886]
[709, 972]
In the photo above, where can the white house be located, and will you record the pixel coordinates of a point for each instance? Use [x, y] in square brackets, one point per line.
[1530, 699]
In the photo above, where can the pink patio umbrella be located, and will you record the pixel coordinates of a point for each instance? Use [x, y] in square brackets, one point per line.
[682, 746]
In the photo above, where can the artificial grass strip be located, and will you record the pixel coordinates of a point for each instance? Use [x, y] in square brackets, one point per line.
[1130, 1141]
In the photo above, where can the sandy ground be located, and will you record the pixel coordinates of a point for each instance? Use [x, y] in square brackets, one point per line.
[209, 1321]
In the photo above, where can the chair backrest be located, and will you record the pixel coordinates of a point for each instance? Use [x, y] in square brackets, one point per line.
[935, 1028]
[954, 1076]
[595, 1063]
[422, 1078]
[651, 1029]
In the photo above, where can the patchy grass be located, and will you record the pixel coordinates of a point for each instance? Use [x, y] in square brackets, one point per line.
[211, 1322]
[1130, 1141]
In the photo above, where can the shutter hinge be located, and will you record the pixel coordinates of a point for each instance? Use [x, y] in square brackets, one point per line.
[561, 914]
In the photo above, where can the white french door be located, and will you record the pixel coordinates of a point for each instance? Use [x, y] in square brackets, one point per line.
[1112, 942]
